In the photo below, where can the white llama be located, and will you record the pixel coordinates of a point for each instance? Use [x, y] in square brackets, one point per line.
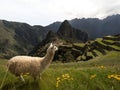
[20, 65]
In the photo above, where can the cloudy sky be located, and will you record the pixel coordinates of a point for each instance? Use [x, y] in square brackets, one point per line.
[44, 12]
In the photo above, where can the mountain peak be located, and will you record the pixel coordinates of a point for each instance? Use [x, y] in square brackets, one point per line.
[65, 29]
[66, 24]
[67, 32]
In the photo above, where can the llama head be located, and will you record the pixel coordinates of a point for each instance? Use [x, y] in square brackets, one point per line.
[52, 48]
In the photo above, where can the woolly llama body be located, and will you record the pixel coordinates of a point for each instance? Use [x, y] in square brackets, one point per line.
[19, 65]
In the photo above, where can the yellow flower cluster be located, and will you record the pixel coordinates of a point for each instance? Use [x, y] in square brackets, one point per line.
[62, 78]
[93, 76]
[115, 76]
[58, 81]
[102, 67]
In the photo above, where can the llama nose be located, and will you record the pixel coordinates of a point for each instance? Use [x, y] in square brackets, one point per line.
[56, 48]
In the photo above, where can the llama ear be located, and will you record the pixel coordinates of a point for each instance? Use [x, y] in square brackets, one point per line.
[51, 44]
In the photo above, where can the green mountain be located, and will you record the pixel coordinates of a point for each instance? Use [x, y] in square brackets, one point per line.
[18, 38]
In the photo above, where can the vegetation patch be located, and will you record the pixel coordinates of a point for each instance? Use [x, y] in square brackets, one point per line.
[100, 73]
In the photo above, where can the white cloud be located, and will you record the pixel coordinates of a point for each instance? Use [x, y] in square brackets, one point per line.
[47, 11]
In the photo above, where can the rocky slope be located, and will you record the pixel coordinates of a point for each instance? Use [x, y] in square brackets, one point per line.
[83, 51]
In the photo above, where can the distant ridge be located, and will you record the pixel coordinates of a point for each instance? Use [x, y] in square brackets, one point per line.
[95, 27]
[19, 38]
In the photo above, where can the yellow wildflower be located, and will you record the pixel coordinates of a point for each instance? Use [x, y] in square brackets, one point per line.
[102, 67]
[62, 78]
[109, 76]
[92, 76]
[67, 75]
[58, 81]
[118, 78]
[115, 76]
[58, 78]
[63, 75]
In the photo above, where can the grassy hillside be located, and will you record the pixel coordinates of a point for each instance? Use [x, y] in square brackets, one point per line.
[18, 38]
[6, 41]
[101, 46]
[100, 73]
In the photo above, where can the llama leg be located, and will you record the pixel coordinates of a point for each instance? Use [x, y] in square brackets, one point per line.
[39, 76]
[22, 78]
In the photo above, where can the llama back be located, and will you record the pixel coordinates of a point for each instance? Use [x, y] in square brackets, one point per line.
[24, 64]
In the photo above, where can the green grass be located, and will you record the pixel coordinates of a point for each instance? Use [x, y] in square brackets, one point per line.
[79, 44]
[102, 43]
[90, 54]
[110, 41]
[89, 75]
[98, 52]
[98, 39]
[114, 46]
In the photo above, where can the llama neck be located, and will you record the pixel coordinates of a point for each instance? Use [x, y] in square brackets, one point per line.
[47, 59]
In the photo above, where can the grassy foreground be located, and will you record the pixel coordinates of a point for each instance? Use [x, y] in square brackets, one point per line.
[101, 73]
